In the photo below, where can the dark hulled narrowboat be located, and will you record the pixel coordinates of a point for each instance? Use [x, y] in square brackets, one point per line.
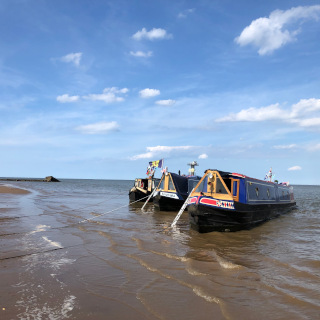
[173, 190]
[224, 201]
[142, 188]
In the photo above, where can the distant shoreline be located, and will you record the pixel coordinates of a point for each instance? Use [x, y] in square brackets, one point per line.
[46, 179]
[20, 179]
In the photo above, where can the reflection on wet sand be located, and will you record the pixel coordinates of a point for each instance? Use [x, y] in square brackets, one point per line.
[71, 258]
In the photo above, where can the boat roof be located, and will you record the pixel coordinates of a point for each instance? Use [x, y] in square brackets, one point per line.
[180, 183]
[239, 175]
[222, 173]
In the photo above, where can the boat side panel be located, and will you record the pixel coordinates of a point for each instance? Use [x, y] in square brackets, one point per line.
[263, 192]
[206, 219]
[242, 191]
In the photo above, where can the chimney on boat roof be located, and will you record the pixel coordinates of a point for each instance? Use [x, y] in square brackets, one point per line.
[192, 165]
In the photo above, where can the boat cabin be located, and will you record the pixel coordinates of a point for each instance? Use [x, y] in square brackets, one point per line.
[142, 188]
[173, 190]
[173, 183]
[239, 188]
[146, 184]
[224, 201]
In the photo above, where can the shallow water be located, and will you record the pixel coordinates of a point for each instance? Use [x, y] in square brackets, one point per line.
[77, 250]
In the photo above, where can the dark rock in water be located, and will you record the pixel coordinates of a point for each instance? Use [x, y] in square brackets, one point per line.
[51, 179]
[46, 179]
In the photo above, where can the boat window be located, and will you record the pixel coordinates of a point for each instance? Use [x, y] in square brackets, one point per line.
[220, 187]
[155, 183]
[205, 184]
[161, 186]
[171, 186]
[227, 182]
[192, 184]
[235, 188]
[257, 192]
[200, 186]
[268, 193]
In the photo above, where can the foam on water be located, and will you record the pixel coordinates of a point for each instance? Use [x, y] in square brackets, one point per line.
[199, 292]
[35, 311]
[53, 243]
[227, 264]
[57, 264]
[40, 228]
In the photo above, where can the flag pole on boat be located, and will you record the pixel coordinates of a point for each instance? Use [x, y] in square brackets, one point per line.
[153, 165]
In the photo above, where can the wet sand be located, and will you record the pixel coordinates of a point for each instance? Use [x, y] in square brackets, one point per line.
[12, 190]
[78, 250]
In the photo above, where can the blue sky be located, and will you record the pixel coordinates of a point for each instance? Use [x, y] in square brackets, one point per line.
[97, 89]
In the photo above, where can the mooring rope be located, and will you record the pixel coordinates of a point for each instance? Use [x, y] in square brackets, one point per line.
[65, 211]
[35, 253]
[77, 223]
[67, 226]
[111, 210]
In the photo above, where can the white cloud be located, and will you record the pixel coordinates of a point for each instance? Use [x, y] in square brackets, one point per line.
[203, 156]
[313, 147]
[147, 155]
[160, 151]
[290, 146]
[66, 98]
[294, 168]
[109, 95]
[98, 128]
[305, 106]
[269, 34]
[148, 93]
[72, 58]
[141, 54]
[311, 122]
[185, 13]
[168, 149]
[168, 102]
[154, 34]
[272, 112]
[296, 114]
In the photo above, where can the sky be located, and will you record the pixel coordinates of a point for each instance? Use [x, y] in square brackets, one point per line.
[97, 89]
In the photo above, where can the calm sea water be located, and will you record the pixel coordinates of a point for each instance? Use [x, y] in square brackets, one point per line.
[123, 263]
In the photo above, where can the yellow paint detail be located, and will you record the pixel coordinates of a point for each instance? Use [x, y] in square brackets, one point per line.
[167, 186]
[215, 187]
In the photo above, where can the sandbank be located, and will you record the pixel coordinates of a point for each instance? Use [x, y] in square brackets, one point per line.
[12, 190]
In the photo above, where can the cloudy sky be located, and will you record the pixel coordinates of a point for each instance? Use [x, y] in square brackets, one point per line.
[97, 89]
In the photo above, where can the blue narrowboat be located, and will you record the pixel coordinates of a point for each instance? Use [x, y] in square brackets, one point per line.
[224, 201]
[173, 190]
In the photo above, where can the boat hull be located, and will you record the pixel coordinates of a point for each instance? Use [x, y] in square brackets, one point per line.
[137, 195]
[163, 203]
[207, 219]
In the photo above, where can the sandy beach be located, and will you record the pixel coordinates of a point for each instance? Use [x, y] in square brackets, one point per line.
[12, 190]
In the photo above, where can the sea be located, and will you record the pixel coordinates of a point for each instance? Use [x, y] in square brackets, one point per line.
[77, 249]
